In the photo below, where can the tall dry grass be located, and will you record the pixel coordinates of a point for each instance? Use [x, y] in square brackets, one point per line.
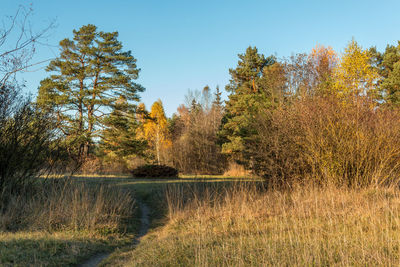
[64, 205]
[245, 226]
[236, 170]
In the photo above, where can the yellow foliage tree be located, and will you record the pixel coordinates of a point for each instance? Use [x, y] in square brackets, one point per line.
[156, 130]
[323, 58]
[354, 76]
[323, 61]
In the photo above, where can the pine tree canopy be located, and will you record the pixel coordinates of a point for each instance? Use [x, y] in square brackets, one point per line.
[91, 73]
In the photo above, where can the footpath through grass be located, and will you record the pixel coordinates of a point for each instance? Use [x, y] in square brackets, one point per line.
[214, 221]
[67, 222]
[241, 225]
[69, 247]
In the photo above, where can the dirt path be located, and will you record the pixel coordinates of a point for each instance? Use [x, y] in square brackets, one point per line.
[144, 227]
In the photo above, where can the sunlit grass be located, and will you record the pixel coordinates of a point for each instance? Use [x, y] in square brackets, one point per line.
[181, 176]
[247, 227]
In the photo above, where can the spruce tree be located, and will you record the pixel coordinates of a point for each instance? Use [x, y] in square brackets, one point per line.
[217, 97]
[247, 96]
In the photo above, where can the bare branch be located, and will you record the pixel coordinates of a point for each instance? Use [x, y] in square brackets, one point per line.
[18, 44]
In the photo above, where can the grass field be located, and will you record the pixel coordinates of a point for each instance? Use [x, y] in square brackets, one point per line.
[66, 223]
[68, 247]
[242, 226]
[35, 248]
[215, 221]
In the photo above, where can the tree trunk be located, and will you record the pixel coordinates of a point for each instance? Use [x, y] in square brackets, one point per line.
[158, 144]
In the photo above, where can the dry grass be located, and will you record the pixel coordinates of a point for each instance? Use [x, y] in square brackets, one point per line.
[40, 248]
[64, 205]
[243, 226]
[61, 223]
[236, 170]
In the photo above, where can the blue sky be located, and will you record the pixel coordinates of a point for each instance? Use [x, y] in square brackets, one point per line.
[183, 45]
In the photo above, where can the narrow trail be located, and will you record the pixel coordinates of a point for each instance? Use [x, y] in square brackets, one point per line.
[95, 260]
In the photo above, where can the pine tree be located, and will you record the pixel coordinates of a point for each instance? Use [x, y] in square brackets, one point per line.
[120, 133]
[90, 75]
[141, 116]
[391, 86]
[388, 66]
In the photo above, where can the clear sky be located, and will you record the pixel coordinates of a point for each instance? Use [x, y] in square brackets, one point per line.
[183, 45]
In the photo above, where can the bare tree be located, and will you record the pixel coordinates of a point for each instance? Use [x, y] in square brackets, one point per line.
[299, 75]
[18, 42]
[194, 147]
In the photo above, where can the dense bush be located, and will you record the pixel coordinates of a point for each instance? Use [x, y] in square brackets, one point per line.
[154, 171]
[328, 141]
[28, 145]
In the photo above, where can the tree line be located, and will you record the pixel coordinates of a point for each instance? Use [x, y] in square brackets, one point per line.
[92, 94]
[284, 119]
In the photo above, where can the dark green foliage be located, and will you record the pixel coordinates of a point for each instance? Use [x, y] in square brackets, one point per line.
[90, 75]
[388, 66]
[217, 98]
[120, 132]
[250, 90]
[154, 171]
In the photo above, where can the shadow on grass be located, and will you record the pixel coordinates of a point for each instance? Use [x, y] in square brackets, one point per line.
[152, 191]
[41, 249]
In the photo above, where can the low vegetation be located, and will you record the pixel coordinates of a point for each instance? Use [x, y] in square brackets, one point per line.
[62, 222]
[325, 141]
[64, 205]
[154, 171]
[246, 226]
[43, 248]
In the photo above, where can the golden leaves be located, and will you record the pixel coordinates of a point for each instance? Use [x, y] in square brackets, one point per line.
[354, 74]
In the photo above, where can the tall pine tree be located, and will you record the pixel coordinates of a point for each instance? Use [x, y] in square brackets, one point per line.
[388, 66]
[90, 75]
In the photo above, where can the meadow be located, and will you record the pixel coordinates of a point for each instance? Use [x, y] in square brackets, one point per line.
[241, 224]
[216, 221]
[80, 218]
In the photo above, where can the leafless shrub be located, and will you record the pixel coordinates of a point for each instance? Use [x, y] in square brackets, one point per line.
[326, 141]
[28, 144]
